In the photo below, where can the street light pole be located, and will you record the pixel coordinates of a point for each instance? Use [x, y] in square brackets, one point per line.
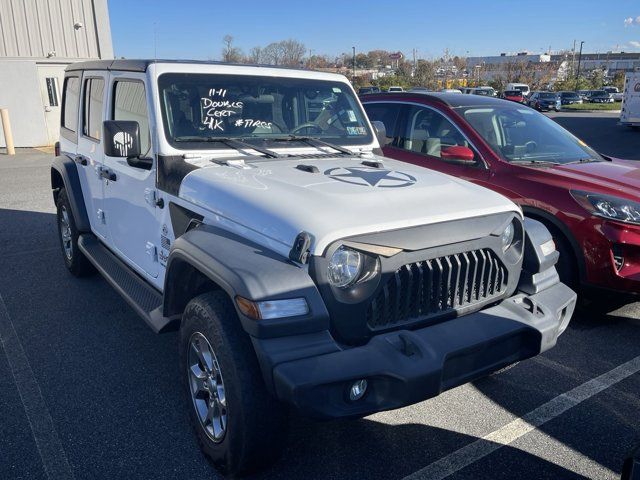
[353, 74]
[579, 60]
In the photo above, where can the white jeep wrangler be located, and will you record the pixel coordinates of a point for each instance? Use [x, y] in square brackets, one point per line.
[247, 207]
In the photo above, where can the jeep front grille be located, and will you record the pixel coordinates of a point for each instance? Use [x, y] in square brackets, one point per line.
[431, 287]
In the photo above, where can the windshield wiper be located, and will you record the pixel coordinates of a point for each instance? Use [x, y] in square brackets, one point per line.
[315, 142]
[584, 160]
[231, 142]
[537, 162]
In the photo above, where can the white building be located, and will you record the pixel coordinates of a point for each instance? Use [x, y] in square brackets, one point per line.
[38, 39]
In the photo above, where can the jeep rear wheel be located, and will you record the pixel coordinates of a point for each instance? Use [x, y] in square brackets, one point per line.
[239, 425]
[68, 234]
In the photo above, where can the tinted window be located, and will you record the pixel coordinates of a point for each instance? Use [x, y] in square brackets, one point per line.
[130, 103]
[92, 108]
[70, 103]
[429, 132]
[386, 113]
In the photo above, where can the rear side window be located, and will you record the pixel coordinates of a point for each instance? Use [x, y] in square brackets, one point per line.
[386, 113]
[130, 103]
[70, 96]
[92, 108]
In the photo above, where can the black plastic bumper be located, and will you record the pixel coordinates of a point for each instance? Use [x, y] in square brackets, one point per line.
[407, 366]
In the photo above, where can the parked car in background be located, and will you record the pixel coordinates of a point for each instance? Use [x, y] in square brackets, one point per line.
[584, 94]
[569, 98]
[514, 96]
[484, 91]
[630, 110]
[542, 101]
[365, 90]
[522, 87]
[451, 90]
[590, 202]
[395, 89]
[419, 89]
[610, 89]
[600, 96]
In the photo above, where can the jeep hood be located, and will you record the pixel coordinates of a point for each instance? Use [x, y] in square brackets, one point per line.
[332, 198]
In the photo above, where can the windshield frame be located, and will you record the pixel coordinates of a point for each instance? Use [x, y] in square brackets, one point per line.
[359, 141]
[589, 152]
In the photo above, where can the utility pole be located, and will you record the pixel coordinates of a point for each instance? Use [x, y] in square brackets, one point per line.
[573, 58]
[415, 64]
[353, 76]
[579, 60]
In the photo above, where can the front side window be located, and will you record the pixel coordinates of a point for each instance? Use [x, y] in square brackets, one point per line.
[92, 107]
[430, 133]
[70, 98]
[524, 135]
[130, 103]
[200, 108]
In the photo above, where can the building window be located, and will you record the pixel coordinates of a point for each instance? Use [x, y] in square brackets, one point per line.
[92, 107]
[52, 91]
[70, 94]
[130, 103]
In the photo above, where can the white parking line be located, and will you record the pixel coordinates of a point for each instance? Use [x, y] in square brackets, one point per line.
[53, 456]
[495, 440]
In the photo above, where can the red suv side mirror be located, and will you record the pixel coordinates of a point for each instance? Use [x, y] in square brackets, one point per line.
[458, 152]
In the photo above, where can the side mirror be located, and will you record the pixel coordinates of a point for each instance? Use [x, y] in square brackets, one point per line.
[381, 132]
[121, 138]
[459, 153]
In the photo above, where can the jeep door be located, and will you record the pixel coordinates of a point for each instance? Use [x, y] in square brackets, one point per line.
[89, 154]
[129, 194]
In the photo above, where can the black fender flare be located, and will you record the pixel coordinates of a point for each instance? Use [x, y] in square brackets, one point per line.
[546, 217]
[64, 170]
[243, 268]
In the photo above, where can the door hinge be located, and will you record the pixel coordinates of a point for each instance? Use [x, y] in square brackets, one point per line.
[101, 217]
[152, 251]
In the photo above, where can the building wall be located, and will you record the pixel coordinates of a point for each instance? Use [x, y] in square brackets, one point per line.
[72, 29]
[39, 35]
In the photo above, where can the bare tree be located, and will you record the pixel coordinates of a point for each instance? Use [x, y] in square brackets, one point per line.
[292, 52]
[257, 55]
[230, 53]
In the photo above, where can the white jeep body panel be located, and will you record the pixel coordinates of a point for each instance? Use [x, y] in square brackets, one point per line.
[345, 198]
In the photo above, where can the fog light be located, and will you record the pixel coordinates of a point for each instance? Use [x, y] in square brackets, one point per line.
[358, 389]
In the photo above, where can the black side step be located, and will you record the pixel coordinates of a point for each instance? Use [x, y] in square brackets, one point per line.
[143, 298]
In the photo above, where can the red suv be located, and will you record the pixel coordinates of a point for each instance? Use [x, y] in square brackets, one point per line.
[590, 202]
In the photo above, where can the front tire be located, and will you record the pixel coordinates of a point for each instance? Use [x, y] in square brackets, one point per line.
[238, 424]
[68, 234]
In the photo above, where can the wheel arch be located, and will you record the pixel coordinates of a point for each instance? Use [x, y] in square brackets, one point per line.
[64, 174]
[210, 258]
[553, 223]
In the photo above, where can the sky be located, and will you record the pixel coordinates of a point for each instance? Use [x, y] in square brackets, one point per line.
[193, 29]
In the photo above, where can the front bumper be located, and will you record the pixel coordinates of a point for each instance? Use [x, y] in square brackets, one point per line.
[605, 241]
[408, 366]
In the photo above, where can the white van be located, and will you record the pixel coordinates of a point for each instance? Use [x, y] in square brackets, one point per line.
[630, 111]
[521, 87]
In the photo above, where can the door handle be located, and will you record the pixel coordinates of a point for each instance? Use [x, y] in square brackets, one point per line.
[82, 160]
[109, 175]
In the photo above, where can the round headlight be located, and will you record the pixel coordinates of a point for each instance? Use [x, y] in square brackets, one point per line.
[344, 267]
[507, 236]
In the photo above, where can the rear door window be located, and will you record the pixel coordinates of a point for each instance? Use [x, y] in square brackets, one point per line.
[92, 108]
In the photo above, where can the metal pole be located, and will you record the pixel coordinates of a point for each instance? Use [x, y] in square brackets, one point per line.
[353, 76]
[579, 60]
[6, 128]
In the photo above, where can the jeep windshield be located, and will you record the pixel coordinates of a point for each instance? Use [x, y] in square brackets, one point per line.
[198, 108]
[522, 135]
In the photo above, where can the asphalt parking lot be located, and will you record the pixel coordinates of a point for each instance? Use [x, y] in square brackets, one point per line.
[88, 391]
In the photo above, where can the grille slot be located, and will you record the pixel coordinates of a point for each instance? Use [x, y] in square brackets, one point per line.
[432, 287]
